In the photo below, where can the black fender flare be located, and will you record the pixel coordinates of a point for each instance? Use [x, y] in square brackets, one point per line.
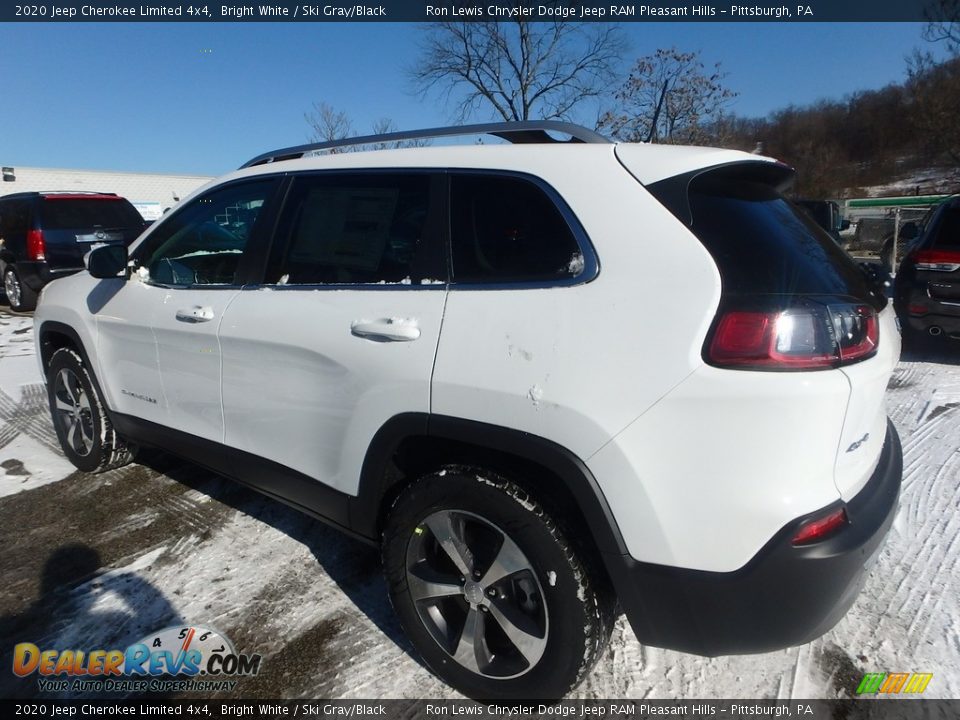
[375, 481]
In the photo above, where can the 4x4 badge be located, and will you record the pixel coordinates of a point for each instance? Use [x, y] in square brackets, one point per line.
[858, 443]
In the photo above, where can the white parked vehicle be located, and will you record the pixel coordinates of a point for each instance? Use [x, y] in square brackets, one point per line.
[550, 379]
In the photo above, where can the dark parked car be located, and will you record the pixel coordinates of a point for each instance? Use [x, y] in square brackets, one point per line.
[826, 214]
[927, 294]
[44, 235]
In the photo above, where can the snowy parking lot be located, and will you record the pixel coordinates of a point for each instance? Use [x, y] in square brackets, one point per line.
[102, 561]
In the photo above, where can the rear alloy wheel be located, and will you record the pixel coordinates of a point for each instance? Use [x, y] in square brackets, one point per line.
[85, 433]
[489, 590]
[19, 296]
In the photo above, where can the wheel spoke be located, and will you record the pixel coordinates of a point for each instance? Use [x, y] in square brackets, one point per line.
[84, 401]
[425, 584]
[509, 560]
[72, 439]
[520, 629]
[470, 650]
[73, 383]
[63, 405]
[446, 533]
[86, 429]
[65, 380]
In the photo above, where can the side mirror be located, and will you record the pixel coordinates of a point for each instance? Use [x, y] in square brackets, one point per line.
[844, 225]
[909, 231]
[108, 261]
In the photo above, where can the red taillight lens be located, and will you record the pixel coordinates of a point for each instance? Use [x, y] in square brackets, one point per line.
[940, 260]
[812, 336]
[820, 528]
[855, 327]
[36, 249]
[916, 309]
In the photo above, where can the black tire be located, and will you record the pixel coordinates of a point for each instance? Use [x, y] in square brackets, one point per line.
[20, 297]
[561, 614]
[86, 435]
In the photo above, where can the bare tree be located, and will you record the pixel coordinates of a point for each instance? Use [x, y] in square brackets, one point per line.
[328, 124]
[669, 97]
[934, 90]
[518, 69]
[944, 24]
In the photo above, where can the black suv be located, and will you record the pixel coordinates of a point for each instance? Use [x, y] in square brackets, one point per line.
[44, 235]
[927, 296]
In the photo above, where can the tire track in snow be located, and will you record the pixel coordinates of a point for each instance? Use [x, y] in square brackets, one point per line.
[29, 418]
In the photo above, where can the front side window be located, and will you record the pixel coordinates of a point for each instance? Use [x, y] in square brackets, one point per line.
[204, 243]
[356, 228]
[507, 229]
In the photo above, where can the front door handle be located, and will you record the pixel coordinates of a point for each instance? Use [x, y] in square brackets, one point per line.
[195, 314]
[386, 329]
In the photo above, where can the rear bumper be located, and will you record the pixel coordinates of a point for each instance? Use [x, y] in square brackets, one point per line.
[785, 595]
[941, 313]
[36, 274]
[945, 324]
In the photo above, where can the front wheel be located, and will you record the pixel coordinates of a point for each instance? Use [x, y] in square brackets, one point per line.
[85, 433]
[489, 590]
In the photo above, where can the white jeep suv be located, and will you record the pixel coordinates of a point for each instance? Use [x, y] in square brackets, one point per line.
[550, 379]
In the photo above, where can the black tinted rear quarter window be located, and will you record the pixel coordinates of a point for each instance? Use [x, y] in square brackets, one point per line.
[765, 245]
[946, 235]
[74, 213]
[14, 218]
[507, 229]
[357, 228]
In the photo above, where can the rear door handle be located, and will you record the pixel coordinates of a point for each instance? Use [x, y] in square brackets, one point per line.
[195, 314]
[386, 329]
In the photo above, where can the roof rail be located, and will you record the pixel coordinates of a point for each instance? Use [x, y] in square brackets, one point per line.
[526, 131]
[73, 192]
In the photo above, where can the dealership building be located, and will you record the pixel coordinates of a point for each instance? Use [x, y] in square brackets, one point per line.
[150, 193]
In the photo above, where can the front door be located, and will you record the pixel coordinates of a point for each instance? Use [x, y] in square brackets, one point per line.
[158, 333]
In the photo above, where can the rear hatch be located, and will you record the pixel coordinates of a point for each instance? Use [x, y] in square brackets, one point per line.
[72, 223]
[792, 300]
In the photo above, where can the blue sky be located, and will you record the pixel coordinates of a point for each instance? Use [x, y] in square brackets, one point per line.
[191, 98]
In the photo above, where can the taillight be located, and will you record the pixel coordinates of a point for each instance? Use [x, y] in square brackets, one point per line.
[36, 249]
[940, 260]
[820, 528]
[798, 338]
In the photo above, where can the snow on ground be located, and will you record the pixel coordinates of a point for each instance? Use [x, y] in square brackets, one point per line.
[100, 561]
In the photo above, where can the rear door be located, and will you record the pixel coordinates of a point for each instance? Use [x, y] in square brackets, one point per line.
[342, 334]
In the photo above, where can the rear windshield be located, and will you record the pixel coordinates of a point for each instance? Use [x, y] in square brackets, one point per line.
[947, 231]
[74, 213]
[764, 244]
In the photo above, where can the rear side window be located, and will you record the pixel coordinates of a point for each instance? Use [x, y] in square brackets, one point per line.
[765, 245]
[74, 213]
[14, 218]
[357, 228]
[946, 235]
[507, 229]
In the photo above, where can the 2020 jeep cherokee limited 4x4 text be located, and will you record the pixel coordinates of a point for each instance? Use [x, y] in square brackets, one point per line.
[544, 377]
